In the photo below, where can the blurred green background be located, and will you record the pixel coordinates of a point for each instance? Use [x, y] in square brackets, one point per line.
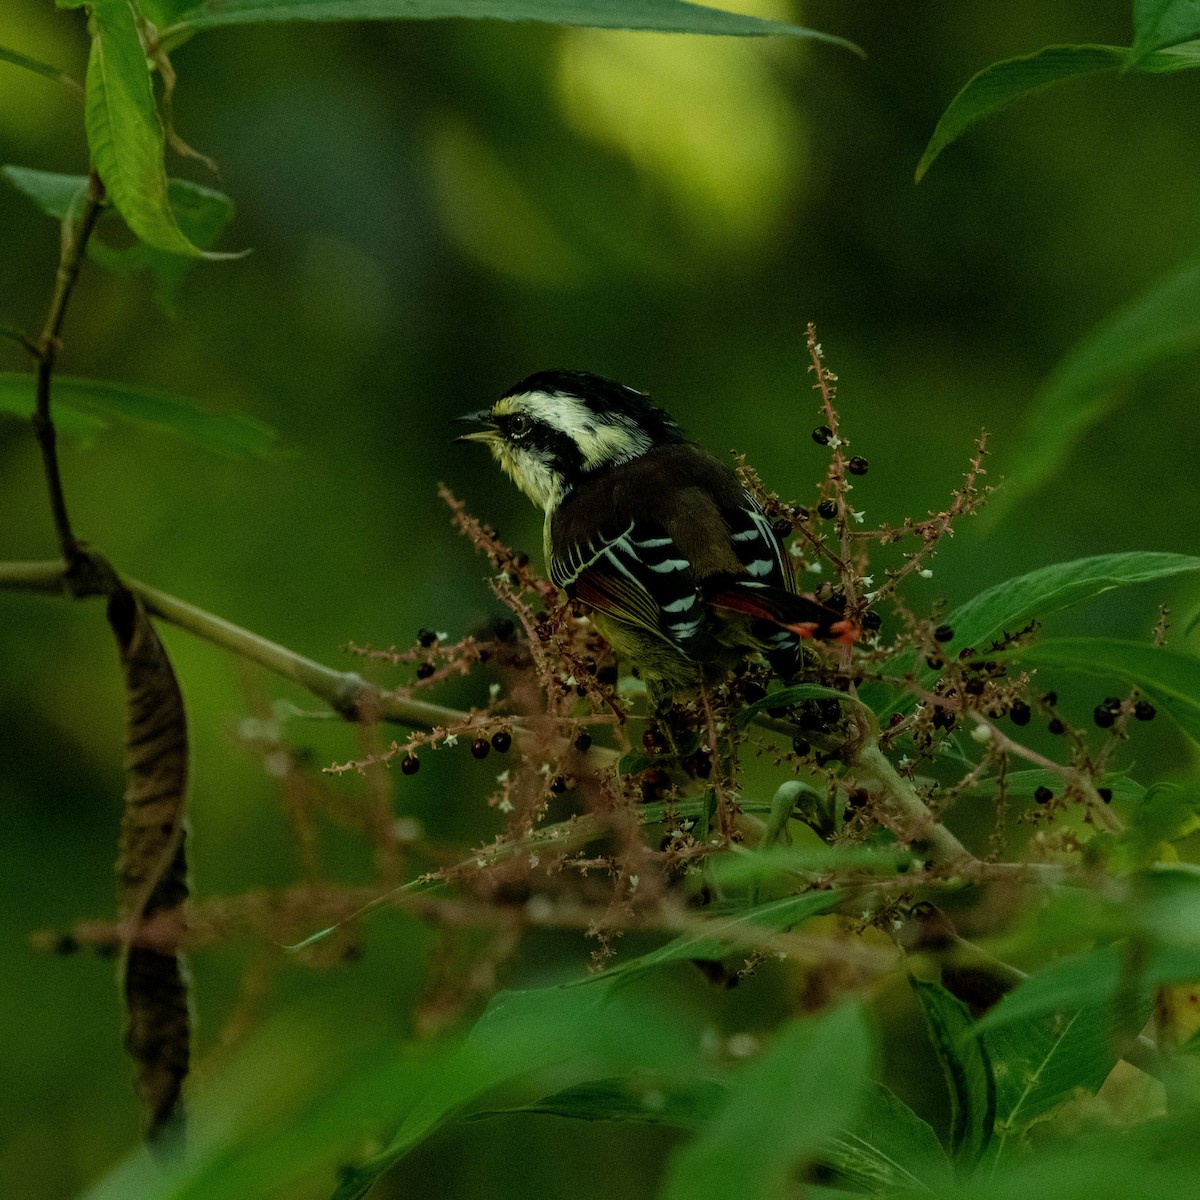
[436, 210]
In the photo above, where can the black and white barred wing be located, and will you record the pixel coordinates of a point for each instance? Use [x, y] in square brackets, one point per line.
[637, 576]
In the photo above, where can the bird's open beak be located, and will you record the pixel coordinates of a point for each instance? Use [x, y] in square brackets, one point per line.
[489, 433]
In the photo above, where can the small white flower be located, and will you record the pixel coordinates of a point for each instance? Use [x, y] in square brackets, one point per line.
[544, 769]
[982, 733]
[815, 568]
[904, 761]
[859, 517]
[534, 860]
[634, 880]
[451, 740]
[442, 636]
[505, 805]
[925, 573]
[834, 442]
[503, 776]
[867, 580]
[796, 550]
[571, 681]
[493, 690]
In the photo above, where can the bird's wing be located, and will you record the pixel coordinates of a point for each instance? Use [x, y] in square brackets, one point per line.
[766, 593]
[636, 575]
[761, 553]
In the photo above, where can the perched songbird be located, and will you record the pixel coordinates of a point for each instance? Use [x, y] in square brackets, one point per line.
[671, 556]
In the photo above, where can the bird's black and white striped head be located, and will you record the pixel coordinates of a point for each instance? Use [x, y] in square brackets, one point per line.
[555, 428]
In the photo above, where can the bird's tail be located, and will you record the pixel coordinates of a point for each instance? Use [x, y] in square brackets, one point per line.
[801, 615]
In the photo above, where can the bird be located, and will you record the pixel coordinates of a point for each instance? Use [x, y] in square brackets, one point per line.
[671, 557]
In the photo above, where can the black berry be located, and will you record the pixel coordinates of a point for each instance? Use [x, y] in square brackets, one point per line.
[426, 637]
[505, 629]
[1020, 713]
[782, 528]
[943, 633]
[1043, 795]
[583, 742]
[1050, 699]
[501, 741]
[1144, 710]
[425, 670]
[410, 764]
[871, 620]
[801, 746]
[822, 434]
[827, 509]
[1105, 794]
[558, 785]
[1056, 726]
[1112, 704]
[1104, 717]
[857, 465]
[480, 747]
[607, 675]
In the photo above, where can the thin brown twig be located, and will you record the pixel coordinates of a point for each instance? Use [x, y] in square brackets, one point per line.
[74, 245]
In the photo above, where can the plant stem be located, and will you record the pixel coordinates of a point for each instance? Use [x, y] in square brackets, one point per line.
[74, 245]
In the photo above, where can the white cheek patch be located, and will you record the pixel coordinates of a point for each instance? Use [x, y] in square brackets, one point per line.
[610, 441]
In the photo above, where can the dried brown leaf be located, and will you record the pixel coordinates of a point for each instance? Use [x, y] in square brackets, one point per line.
[152, 864]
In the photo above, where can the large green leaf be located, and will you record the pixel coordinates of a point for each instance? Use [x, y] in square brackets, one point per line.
[125, 133]
[1094, 376]
[1002, 84]
[1011, 605]
[1159, 23]
[85, 406]
[668, 16]
[200, 212]
[778, 1111]
[1039, 1064]
[56, 195]
[965, 1064]
[1171, 680]
[1094, 980]
[587, 1032]
[887, 1147]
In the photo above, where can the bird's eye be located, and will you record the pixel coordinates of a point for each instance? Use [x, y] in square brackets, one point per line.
[518, 425]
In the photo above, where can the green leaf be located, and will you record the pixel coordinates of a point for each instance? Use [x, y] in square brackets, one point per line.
[1166, 814]
[786, 697]
[1039, 1064]
[200, 212]
[1127, 793]
[720, 936]
[587, 1031]
[40, 68]
[1098, 979]
[888, 1148]
[666, 16]
[125, 133]
[965, 1064]
[1169, 679]
[56, 195]
[1011, 605]
[1159, 23]
[17, 400]
[1002, 84]
[640, 1099]
[88, 405]
[778, 1111]
[1094, 376]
